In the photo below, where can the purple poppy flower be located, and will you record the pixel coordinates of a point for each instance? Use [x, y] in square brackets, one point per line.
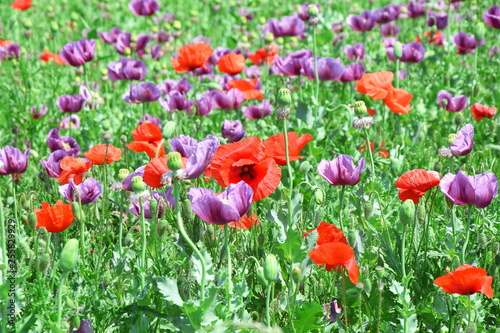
[72, 121]
[127, 69]
[201, 157]
[303, 11]
[174, 100]
[221, 209]
[258, 111]
[341, 170]
[389, 29]
[463, 143]
[143, 7]
[87, 46]
[123, 42]
[156, 52]
[140, 45]
[147, 118]
[252, 72]
[203, 106]
[355, 52]
[353, 72]
[78, 53]
[182, 86]
[242, 12]
[14, 161]
[57, 142]
[477, 190]
[288, 26]
[402, 74]
[452, 104]
[232, 131]
[493, 51]
[386, 14]
[127, 182]
[168, 202]
[415, 8]
[10, 51]
[363, 22]
[70, 103]
[413, 52]
[163, 36]
[201, 39]
[492, 17]
[85, 327]
[142, 92]
[292, 65]
[85, 193]
[231, 100]
[466, 43]
[328, 69]
[217, 54]
[440, 20]
[111, 36]
[167, 17]
[184, 145]
[37, 114]
[52, 164]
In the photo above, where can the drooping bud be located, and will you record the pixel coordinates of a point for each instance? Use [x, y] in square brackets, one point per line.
[398, 50]
[43, 263]
[32, 220]
[407, 212]
[261, 277]
[69, 256]
[459, 118]
[77, 211]
[138, 184]
[319, 195]
[123, 173]
[168, 130]
[284, 97]
[174, 161]
[271, 268]
[304, 167]
[368, 209]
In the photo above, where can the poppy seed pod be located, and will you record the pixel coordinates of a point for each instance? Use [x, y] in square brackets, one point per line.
[271, 268]
[284, 97]
[174, 162]
[407, 212]
[138, 184]
[123, 173]
[360, 108]
[69, 256]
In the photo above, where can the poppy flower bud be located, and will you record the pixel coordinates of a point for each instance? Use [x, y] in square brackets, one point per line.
[106, 126]
[123, 173]
[43, 263]
[283, 113]
[319, 195]
[482, 240]
[284, 97]
[438, 167]
[161, 227]
[476, 89]
[368, 209]
[31, 220]
[153, 207]
[451, 137]
[367, 285]
[459, 118]
[69, 256]
[398, 50]
[312, 10]
[168, 130]
[138, 184]
[296, 274]
[271, 268]
[177, 25]
[360, 108]
[407, 212]
[174, 162]
[396, 166]
[304, 167]
[77, 211]
[380, 271]
[260, 276]
[480, 31]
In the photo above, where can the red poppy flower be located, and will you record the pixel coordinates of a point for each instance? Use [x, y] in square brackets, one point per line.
[147, 138]
[413, 184]
[4, 43]
[156, 170]
[466, 280]
[245, 160]
[247, 87]
[21, 5]
[437, 37]
[398, 100]
[265, 54]
[104, 152]
[244, 222]
[375, 85]
[382, 152]
[231, 63]
[48, 56]
[328, 233]
[55, 219]
[480, 111]
[274, 146]
[73, 168]
[191, 57]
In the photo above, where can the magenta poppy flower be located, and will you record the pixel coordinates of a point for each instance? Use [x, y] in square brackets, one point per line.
[329, 69]
[78, 53]
[143, 7]
[386, 14]
[57, 142]
[174, 100]
[466, 43]
[127, 69]
[111, 36]
[415, 8]
[72, 121]
[389, 29]
[413, 52]
[144, 92]
[303, 11]
[289, 26]
[258, 111]
[353, 72]
[14, 161]
[440, 19]
[452, 104]
[363, 22]
[463, 143]
[231, 100]
[341, 170]
[477, 190]
[70, 103]
[292, 64]
[232, 130]
[168, 202]
[223, 208]
[492, 17]
[199, 154]
[183, 86]
[10, 51]
[53, 162]
[38, 113]
[355, 52]
[85, 193]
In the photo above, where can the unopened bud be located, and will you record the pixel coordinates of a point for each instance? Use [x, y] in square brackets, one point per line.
[32, 220]
[271, 268]
[398, 50]
[261, 277]
[407, 212]
[479, 31]
[69, 256]
[161, 227]
[168, 129]
[174, 161]
[319, 195]
[368, 208]
[43, 263]
[269, 37]
[77, 211]
[304, 167]
[284, 97]
[296, 274]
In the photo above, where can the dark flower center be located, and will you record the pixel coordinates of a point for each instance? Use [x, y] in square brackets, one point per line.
[247, 171]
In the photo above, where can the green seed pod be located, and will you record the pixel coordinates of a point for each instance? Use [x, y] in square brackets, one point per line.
[32, 220]
[168, 129]
[407, 212]
[271, 268]
[451, 137]
[138, 184]
[174, 161]
[269, 37]
[69, 256]
[43, 263]
[261, 277]
[380, 271]
[77, 211]
[479, 31]
[284, 97]
[360, 108]
[123, 173]
[296, 274]
[312, 10]
[398, 50]
[319, 195]
[459, 118]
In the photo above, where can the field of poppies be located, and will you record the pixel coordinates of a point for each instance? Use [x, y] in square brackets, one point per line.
[249, 166]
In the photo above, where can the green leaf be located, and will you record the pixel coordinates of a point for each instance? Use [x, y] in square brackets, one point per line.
[168, 288]
[307, 318]
[292, 250]
[210, 275]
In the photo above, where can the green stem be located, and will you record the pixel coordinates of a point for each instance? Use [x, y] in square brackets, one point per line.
[143, 249]
[403, 251]
[59, 299]
[290, 176]
[14, 194]
[229, 268]
[341, 206]
[4, 261]
[182, 230]
[316, 76]
[397, 73]
[369, 148]
[268, 298]
[467, 233]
